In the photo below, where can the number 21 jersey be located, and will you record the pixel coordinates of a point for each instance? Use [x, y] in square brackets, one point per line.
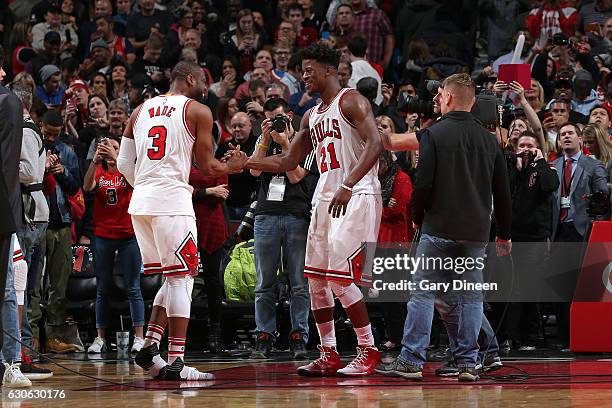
[164, 147]
[338, 147]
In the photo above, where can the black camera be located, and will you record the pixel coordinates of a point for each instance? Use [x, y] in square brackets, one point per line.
[598, 204]
[412, 104]
[280, 123]
[245, 230]
[561, 39]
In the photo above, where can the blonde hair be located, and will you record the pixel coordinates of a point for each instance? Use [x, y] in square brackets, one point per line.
[388, 120]
[541, 100]
[603, 142]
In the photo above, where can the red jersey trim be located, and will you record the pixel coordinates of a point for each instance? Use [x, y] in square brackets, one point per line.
[18, 258]
[342, 91]
[351, 124]
[329, 278]
[329, 271]
[185, 123]
[136, 120]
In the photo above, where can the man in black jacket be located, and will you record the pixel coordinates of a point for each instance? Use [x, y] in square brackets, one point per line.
[11, 125]
[460, 168]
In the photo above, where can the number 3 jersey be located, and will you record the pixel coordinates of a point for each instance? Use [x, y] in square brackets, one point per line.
[164, 146]
[110, 211]
[338, 147]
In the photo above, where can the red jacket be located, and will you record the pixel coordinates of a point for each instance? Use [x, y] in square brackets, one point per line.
[210, 219]
[552, 20]
[396, 222]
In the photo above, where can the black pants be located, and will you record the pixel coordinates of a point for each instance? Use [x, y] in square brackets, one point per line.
[522, 322]
[212, 282]
[395, 316]
[567, 258]
[5, 256]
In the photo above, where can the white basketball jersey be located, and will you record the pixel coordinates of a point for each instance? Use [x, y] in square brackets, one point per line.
[338, 147]
[164, 146]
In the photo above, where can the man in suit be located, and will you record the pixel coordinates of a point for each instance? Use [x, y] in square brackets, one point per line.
[11, 129]
[579, 175]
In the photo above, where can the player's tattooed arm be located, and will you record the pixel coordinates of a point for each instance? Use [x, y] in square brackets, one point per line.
[287, 160]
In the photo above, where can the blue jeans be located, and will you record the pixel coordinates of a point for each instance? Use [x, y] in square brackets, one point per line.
[30, 240]
[104, 262]
[11, 349]
[487, 342]
[271, 233]
[466, 303]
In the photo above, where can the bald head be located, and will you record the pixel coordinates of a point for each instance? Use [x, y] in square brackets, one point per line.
[241, 127]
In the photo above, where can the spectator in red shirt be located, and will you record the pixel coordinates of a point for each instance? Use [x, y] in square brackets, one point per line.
[551, 18]
[209, 193]
[113, 232]
[377, 28]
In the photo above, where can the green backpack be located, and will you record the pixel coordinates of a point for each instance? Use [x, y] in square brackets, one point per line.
[240, 276]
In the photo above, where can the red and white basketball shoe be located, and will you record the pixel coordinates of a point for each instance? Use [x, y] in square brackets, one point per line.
[364, 364]
[326, 365]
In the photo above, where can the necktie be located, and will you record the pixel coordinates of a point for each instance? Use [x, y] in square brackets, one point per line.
[565, 189]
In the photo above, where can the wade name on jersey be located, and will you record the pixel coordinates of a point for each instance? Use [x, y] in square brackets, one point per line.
[161, 111]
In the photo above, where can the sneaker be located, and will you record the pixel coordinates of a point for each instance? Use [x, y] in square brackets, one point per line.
[34, 372]
[144, 357]
[98, 346]
[262, 346]
[468, 375]
[13, 377]
[215, 338]
[137, 345]
[178, 371]
[526, 348]
[399, 368]
[327, 364]
[57, 345]
[492, 362]
[298, 346]
[448, 370]
[364, 364]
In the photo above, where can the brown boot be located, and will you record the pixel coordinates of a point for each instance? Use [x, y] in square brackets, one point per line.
[57, 345]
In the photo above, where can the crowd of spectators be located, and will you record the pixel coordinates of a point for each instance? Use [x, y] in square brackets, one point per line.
[82, 66]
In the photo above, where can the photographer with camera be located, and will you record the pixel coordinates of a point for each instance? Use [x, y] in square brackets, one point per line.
[281, 221]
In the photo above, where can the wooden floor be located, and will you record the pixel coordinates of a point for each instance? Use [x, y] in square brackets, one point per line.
[552, 382]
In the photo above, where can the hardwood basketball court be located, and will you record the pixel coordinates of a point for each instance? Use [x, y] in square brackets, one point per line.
[529, 379]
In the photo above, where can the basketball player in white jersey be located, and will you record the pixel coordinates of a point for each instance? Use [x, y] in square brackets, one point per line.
[155, 157]
[346, 206]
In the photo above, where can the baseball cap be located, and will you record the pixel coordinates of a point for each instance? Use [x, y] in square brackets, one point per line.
[48, 71]
[99, 43]
[583, 75]
[53, 37]
[79, 83]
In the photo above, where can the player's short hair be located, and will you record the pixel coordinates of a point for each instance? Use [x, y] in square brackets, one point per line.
[322, 54]
[274, 103]
[368, 87]
[358, 46]
[184, 69]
